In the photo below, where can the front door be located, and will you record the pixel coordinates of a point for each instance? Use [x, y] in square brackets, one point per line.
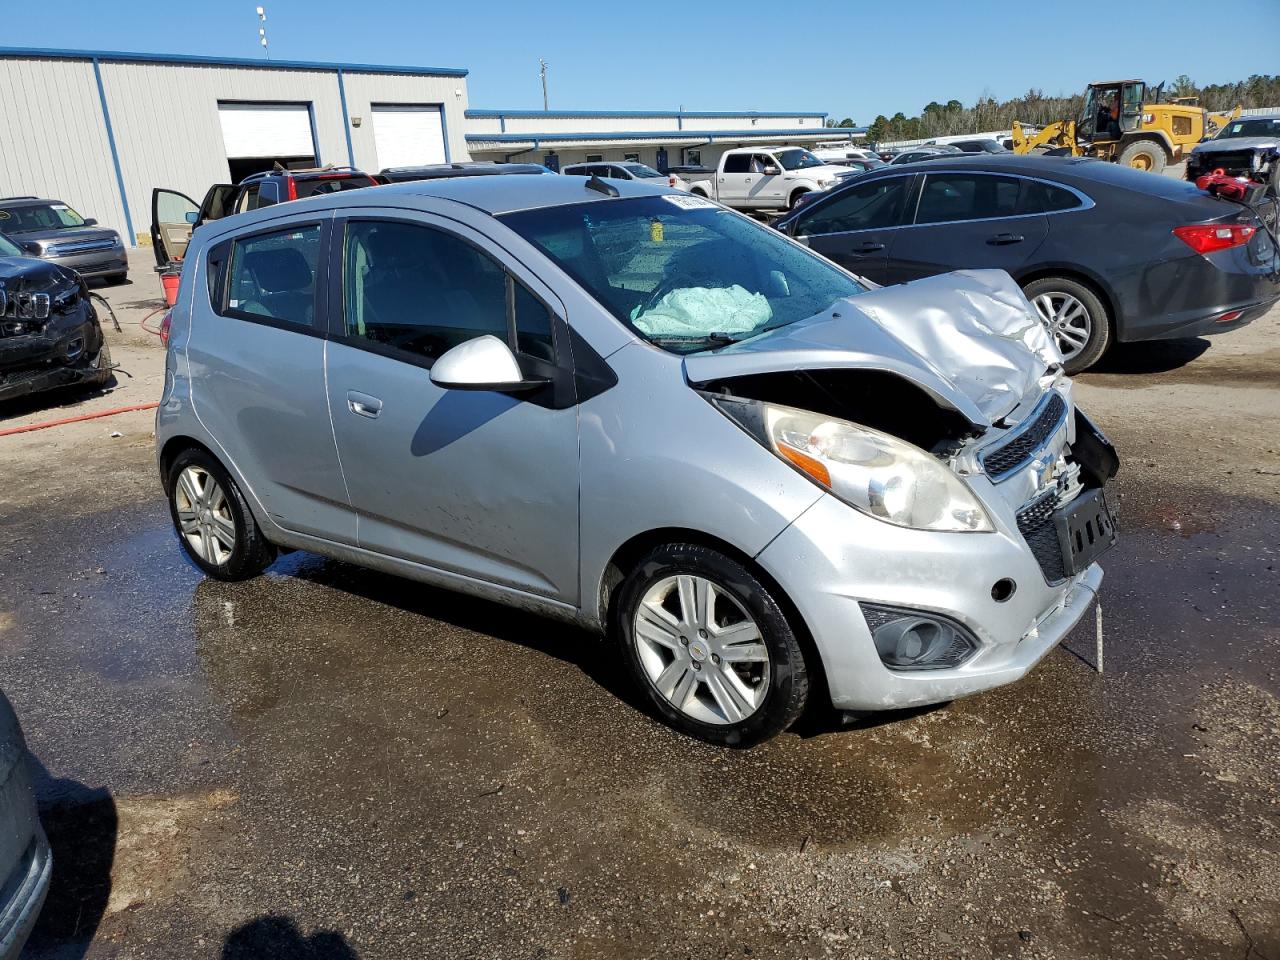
[855, 225]
[767, 182]
[967, 221]
[173, 216]
[477, 483]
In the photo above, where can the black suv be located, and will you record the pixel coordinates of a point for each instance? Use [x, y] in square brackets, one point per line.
[174, 215]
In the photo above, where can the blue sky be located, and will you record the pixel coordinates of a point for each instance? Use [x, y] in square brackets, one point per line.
[843, 58]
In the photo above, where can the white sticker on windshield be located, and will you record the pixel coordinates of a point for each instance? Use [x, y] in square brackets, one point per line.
[59, 206]
[689, 202]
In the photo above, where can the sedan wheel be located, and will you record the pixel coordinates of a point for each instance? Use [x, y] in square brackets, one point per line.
[701, 650]
[204, 515]
[1067, 320]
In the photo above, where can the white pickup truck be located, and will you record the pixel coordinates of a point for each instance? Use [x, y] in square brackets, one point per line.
[766, 178]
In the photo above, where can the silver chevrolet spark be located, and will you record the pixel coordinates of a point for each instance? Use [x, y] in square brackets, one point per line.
[769, 481]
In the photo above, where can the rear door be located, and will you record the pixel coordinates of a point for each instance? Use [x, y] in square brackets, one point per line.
[855, 225]
[967, 220]
[173, 217]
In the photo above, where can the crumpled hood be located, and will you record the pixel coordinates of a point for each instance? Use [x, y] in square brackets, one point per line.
[969, 338]
[33, 275]
[1233, 144]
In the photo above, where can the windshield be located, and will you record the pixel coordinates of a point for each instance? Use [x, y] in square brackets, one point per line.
[38, 216]
[683, 272]
[640, 170]
[8, 248]
[1261, 127]
[797, 159]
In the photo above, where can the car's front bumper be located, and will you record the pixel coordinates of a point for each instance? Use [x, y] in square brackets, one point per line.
[833, 557]
[69, 351]
[22, 895]
[96, 263]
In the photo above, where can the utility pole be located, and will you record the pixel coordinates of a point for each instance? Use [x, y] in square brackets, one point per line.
[262, 32]
[542, 72]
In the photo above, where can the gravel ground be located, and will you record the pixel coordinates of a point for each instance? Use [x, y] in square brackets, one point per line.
[329, 763]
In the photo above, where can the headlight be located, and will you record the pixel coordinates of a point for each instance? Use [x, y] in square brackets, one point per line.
[877, 474]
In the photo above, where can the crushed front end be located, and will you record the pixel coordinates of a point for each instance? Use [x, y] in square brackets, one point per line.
[50, 336]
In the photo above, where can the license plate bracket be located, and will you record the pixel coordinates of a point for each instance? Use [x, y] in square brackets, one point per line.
[1086, 530]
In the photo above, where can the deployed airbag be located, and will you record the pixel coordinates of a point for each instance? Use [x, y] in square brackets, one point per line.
[692, 311]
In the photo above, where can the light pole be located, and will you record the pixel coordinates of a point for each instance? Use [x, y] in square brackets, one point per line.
[542, 72]
[262, 32]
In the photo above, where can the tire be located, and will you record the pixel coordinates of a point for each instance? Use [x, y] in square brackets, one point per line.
[115, 279]
[1144, 155]
[740, 705]
[228, 517]
[698, 192]
[795, 199]
[1051, 297]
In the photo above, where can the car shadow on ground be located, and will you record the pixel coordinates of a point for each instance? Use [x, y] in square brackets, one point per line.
[274, 937]
[81, 823]
[1153, 356]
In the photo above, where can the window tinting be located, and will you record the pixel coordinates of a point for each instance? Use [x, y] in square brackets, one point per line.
[329, 184]
[737, 163]
[420, 290]
[533, 325]
[273, 275]
[1046, 198]
[965, 196]
[868, 206]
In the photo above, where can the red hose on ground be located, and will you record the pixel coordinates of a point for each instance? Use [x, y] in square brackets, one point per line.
[84, 416]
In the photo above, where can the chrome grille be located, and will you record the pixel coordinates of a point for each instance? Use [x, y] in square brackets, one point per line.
[1017, 450]
[79, 246]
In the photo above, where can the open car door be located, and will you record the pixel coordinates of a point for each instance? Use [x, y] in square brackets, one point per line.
[173, 217]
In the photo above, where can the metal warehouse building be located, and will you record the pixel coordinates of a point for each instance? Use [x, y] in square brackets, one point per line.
[99, 130]
[660, 139]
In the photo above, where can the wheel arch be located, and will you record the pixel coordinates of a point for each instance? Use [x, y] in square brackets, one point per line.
[627, 555]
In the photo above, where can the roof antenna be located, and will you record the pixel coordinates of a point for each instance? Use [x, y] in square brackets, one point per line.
[595, 183]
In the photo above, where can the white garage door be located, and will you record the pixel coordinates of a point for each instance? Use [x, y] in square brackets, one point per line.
[266, 130]
[408, 136]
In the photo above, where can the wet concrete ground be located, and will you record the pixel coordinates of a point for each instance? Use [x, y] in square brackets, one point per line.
[325, 762]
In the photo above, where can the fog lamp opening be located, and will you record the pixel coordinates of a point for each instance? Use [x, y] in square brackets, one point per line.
[916, 640]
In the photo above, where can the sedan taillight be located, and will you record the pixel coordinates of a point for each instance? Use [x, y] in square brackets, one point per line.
[1211, 237]
[165, 324]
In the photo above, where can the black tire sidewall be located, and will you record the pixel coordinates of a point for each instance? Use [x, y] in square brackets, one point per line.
[1099, 319]
[795, 199]
[244, 561]
[1159, 160]
[788, 673]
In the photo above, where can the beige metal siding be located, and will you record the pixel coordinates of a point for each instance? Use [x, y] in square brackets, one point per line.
[366, 89]
[165, 118]
[53, 142]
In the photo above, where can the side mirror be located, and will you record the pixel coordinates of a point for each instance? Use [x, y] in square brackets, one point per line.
[192, 216]
[771, 171]
[91, 222]
[32, 247]
[485, 363]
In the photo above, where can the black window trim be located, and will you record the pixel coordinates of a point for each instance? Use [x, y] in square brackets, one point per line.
[318, 314]
[913, 197]
[337, 328]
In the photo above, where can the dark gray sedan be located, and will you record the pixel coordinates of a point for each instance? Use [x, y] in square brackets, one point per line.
[25, 863]
[1104, 252]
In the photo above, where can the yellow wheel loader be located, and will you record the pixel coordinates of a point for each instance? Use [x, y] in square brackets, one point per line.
[1117, 125]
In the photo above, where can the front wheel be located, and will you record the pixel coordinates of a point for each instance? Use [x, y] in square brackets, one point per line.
[1144, 155]
[710, 647]
[796, 198]
[1074, 317]
[214, 523]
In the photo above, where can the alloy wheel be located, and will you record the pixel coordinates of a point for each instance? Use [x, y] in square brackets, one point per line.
[204, 515]
[1067, 320]
[701, 650]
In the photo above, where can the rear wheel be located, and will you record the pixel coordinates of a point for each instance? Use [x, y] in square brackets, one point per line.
[1074, 317]
[213, 521]
[1144, 155]
[710, 647]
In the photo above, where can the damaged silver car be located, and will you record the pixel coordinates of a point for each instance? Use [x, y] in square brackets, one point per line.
[768, 481]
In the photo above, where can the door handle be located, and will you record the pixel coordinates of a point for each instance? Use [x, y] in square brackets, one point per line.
[363, 405]
[1003, 239]
[869, 247]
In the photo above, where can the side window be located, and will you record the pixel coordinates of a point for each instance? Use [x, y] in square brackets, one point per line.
[1047, 198]
[420, 290]
[268, 193]
[964, 196]
[248, 199]
[737, 163]
[273, 276]
[533, 325]
[865, 207]
[577, 172]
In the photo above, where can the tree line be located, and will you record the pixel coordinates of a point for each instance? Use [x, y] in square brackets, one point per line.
[1033, 107]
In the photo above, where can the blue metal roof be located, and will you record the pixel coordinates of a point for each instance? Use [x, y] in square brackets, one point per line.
[180, 58]
[650, 135]
[638, 114]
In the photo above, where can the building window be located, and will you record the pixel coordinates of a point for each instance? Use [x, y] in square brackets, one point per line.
[631, 157]
[693, 158]
[594, 157]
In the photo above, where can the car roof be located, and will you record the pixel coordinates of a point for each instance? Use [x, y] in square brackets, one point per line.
[24, 201]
